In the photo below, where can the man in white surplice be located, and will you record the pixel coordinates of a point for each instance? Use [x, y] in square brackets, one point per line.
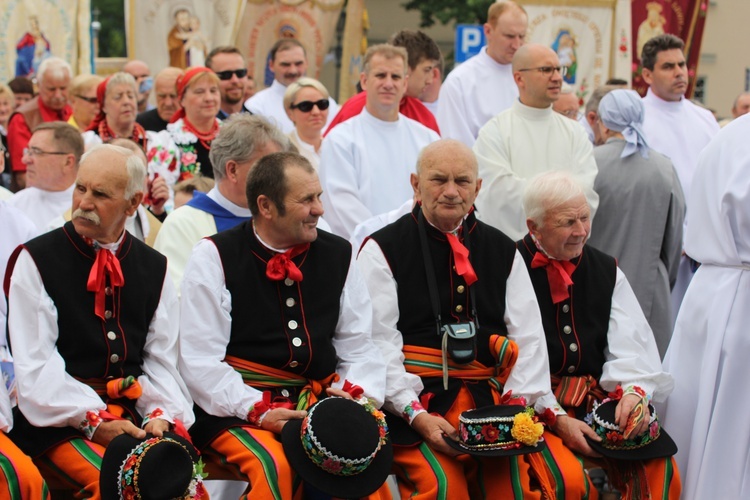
[528, 139]
[673, 125]
[366, 161]
[483, 86]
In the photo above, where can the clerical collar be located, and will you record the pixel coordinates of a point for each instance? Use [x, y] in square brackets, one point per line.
[277, 250]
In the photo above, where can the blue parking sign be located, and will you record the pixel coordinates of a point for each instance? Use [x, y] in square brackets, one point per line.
[469, 41]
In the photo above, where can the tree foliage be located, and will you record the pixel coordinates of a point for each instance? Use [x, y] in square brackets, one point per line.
[112, 34]
[447, 11]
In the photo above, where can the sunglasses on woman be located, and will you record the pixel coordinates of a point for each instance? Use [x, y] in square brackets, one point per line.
[307, 106]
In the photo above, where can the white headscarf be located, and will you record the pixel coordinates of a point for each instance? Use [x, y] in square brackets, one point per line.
[622, 111]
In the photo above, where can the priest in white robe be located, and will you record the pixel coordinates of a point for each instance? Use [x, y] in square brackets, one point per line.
[483, 86]
[366, 161]
[673, 125]
[709, 350]
[528, 139]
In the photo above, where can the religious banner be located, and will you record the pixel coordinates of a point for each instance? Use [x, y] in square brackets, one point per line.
[179, 32]
[312, 22]
[354, 48]
[32, 30]
[683, 18]
[591, 38]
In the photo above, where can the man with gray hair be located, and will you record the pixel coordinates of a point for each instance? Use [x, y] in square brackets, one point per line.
[50, 105]
[568, 103]
[242, 141]
[591, 113]
[93, 321]
[641, 209]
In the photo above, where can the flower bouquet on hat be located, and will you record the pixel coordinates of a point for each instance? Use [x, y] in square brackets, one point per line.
[153, 468]
[499, 430]
[341, 447]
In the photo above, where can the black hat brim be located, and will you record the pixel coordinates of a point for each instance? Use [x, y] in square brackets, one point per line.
[663, 446]
[522, 450]
[359, 485]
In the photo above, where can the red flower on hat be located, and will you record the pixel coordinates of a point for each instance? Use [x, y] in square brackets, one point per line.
[615, 437]
[332, 466]
[490, 433]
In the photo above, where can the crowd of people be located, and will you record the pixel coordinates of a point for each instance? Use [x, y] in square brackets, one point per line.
[207, 272]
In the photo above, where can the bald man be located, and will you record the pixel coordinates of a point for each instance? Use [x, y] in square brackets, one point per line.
[142, 75]
[167, 103]
[527, 139]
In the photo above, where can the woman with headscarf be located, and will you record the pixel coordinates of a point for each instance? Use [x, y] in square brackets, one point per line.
[641, 209]
[183, 148]
[306, 103]
[118, 108]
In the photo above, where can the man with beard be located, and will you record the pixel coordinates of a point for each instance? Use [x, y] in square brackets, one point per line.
[229, 65]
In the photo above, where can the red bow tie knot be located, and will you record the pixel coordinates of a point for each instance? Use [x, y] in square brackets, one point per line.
[105, 265]
[281, 265]
[461, 258]
[558, 275]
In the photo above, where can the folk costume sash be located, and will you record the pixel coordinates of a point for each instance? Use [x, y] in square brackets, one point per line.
[426, 362]
[264, 377]
[558, 274]
[572, 392]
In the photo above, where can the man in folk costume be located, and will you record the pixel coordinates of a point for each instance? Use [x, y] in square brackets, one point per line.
[274, 316]
[92, 319]
[433, 276]
[597, 337]
[242, 141]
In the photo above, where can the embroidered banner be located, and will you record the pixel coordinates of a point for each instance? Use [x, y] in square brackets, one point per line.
[354, 47]
[32, 30]
[589, 36]
[312, 22]
[179, 32]
[683, 18]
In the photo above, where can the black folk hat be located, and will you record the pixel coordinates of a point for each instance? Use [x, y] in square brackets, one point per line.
[498, 431]
[654, 443]
[151, 469]
[341, 447]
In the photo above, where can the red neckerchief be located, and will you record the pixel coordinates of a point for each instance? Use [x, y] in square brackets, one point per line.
[105, 265]
[106, 134]
[204, 138]
[281, 266]
[558, 275]
[461, 258]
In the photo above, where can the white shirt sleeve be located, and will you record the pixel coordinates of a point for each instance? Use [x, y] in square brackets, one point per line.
[631, 354]
[359, 360]
[47, 395]
[530, 376]
[401, 387]
[205, 329]
[453, 113]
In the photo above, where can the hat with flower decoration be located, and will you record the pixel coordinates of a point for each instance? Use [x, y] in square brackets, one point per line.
[153, 468]
[653, 443]
[341, 447]
[499, 431]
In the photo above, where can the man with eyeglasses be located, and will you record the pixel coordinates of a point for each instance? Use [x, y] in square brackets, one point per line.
[142, 75]
[167, 103]
[53, 78]
[483, 86]
[229, 65]
[568, 104]
[51, 159]
[288, 63]
[528, 139]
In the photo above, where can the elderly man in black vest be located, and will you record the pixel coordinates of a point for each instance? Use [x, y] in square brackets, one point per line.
[92, 319]
[436, 267]
[599, 342]
[274, 316]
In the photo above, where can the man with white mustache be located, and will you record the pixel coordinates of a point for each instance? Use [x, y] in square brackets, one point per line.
[528, 139]
[92, 317]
